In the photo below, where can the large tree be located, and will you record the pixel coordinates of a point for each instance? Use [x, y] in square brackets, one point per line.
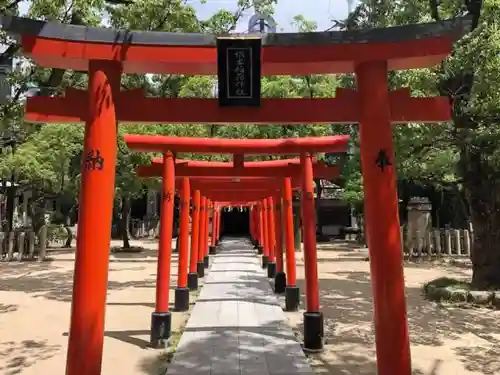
[33, 164]
[466, 151]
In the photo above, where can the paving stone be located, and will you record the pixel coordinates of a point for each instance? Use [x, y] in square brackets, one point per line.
[237, 326]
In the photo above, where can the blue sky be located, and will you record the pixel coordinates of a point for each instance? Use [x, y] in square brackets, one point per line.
[321, 11]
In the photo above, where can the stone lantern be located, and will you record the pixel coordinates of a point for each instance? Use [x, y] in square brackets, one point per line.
[419, 223]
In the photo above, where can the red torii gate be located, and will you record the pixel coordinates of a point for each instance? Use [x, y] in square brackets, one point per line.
[214, 176]
[237, 162]
[286, 146]
[220, 171]
[207, 193]
[242, 187]
[267, 249]
[250, 190]
[212, 172]
[107, 53]
[313, 318]
[217, 172]
[226, 189]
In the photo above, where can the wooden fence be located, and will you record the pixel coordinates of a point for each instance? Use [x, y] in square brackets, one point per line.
[435, 243]
[145, 228]
[438, 243]
[26, 245]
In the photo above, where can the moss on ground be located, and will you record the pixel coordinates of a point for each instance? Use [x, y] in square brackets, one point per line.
[176, 335]
[132, 249]
[460, 293]
[159, 364]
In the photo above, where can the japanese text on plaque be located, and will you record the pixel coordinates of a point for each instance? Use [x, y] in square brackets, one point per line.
[239, 71]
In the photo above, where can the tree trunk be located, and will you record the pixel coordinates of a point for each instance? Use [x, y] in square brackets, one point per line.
[485, 254]
[37, 214]
[11, 197]
[38, 210]
[319, 193]
[124, 220]
[479, 178]
[70, 237]
[484, 199]
[9, 206]
[363, 239]
[42, 242]
[67, 224]
[297, 234]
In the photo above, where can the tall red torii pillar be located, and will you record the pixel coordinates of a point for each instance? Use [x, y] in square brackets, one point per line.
[194, 268]
[106, 53]
[203, 243]
[161, 317]
[212, 249]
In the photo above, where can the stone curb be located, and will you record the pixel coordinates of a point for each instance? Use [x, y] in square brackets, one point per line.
[450, 294]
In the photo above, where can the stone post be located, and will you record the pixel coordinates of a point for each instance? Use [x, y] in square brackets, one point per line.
[419, 224]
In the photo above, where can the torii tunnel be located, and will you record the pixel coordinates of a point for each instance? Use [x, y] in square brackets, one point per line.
[219, 171]
[107, 53]
[214, 170]
[269, 190]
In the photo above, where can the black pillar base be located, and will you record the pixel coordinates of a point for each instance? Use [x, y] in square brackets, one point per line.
[200, 269]
[292, 298]
[181, 301]
[260, 249]
[265, 261]
[313, 332]
[280, 282]
[193, 281]
[206, 261]
[161, 329]
[212, 250]
[271, 270]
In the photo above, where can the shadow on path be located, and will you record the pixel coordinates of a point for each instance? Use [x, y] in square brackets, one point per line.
[5, 309]
[128, 337]
[58, 286]
[24, 354]
[347, 307]
[261, 351]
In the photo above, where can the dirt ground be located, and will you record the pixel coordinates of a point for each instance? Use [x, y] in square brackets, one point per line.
[35, 312]
[444, 341]
[35, 306]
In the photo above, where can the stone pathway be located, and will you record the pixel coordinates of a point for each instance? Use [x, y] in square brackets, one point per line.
[237, 326]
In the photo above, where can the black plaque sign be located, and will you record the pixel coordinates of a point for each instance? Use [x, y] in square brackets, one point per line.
[238, 70]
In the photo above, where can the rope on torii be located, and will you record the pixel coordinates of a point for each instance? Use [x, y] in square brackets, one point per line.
[233, 208]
